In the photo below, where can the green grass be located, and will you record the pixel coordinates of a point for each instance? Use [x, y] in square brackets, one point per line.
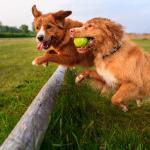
[19, 80]
[143, 43]
[82, 118]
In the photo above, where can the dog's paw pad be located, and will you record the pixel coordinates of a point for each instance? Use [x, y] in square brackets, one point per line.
[79, 78]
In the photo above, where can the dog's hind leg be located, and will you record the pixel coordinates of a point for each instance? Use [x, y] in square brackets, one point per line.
[126, 91]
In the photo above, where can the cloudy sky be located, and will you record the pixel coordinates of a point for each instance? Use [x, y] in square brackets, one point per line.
[133, 14]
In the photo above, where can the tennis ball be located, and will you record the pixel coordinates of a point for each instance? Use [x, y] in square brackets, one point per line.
[80, 42]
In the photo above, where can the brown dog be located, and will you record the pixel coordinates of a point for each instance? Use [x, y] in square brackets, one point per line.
[120, 63]
[53, 36]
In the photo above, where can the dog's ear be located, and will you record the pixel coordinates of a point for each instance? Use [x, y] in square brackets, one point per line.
[35, 12]
[116, 31]
[62, 14]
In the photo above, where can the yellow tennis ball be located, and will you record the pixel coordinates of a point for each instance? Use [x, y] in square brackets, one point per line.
[80, 42]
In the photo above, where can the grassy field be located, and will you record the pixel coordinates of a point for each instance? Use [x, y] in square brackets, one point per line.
[19, 80]
[82, 119]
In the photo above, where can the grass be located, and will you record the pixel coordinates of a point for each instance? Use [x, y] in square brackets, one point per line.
[19, 80]
[143, 43]
[82, 118]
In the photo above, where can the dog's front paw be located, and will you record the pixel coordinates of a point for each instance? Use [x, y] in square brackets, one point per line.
[123, 107]
[139, 102]
[39, 61]
[82, 76]
[34, 63]
[79, 78]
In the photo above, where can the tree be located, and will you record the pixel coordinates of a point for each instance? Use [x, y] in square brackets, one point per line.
[33, 27]
[24, 28]
[0, 26]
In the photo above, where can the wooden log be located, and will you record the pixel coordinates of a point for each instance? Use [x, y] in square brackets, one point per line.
[30, 130]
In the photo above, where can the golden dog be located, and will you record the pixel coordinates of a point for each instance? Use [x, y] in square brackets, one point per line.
[122, 64]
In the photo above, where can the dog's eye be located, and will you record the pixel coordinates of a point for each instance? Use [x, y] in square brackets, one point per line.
[90, 25]
[37, 28]
[49, 26]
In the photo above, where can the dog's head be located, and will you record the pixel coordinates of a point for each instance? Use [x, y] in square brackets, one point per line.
[49, 27]
[103, 34]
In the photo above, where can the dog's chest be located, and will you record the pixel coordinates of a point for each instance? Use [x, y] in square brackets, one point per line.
[107, 75]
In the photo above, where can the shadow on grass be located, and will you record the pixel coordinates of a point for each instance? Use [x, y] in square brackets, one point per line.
[84, 119]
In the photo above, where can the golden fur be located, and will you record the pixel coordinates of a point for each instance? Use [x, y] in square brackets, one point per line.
[127, 70]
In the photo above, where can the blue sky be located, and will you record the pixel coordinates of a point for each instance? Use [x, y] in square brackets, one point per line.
[134, 15]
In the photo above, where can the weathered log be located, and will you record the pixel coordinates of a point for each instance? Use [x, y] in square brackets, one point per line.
[30, 130]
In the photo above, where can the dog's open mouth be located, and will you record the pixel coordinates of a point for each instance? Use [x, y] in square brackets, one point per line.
[45, 44]
[89, 46]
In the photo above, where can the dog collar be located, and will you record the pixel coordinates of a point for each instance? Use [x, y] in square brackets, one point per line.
[112, 51]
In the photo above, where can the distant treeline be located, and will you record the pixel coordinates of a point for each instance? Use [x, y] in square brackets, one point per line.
[9, 31]
[16, 35]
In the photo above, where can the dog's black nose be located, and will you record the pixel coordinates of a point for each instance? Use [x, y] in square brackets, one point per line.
[40, 38]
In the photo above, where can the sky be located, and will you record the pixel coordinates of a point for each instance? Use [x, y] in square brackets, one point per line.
[134, 15]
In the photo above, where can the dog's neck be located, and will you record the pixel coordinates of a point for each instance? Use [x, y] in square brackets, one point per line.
[64, 40]
[112, 50]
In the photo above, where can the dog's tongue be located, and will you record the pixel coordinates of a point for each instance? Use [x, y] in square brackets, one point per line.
[40, 46]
